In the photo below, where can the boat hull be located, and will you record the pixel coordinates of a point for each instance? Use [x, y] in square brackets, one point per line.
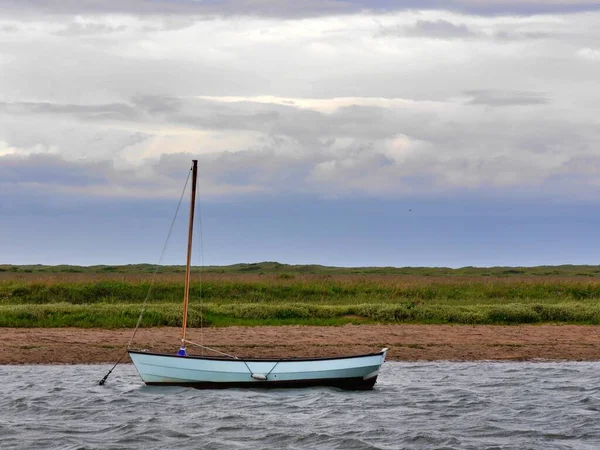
[353, 372]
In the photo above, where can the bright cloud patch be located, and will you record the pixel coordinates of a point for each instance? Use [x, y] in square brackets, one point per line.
[589, 54]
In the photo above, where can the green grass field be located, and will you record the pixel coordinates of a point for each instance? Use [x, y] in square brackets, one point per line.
[276, 294]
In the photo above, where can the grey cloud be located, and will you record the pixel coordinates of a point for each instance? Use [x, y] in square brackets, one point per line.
[439, 29]
[304, 125]
[259, 121]
[173, 22]
[290, 8]
[157, 104]
[444, 29]
[269, 8]
[366, 122]
[441, 154]
[83, 29]
[506, 98]
[48, 173]
[67, 70]
[512, 35]
[45, 170]
[314, 131]
[113, 111]
[220, 174]
[149, 108]
[199, 114]
[356, 121]
[73, 139]
[586, 163]
[9, 29]
[229, 116]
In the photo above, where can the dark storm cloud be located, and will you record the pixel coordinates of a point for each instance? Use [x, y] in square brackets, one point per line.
[290, 8]
[506, 98]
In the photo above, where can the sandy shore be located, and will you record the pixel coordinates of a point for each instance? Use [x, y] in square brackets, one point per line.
[406, 342]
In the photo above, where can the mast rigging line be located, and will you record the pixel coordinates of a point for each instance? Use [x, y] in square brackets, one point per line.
[156, 267]
[211, 349]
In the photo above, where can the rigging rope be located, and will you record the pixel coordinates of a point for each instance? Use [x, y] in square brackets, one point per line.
[211, 349]
[162, 254]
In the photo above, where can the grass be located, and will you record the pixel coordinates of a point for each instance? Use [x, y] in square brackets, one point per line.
[125, 315]
[312, 289]
[277, 294]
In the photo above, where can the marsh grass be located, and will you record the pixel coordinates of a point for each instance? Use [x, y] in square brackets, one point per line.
[111, 297]
[306, 289]
[125, 315]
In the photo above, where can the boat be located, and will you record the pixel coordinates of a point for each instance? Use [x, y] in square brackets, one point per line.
[356, 372]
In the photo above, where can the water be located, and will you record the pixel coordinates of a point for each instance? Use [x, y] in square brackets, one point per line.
[480, 405]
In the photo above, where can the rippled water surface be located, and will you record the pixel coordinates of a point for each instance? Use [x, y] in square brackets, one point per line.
[415, 405]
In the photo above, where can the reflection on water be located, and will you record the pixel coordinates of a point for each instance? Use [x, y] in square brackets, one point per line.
[415, 405]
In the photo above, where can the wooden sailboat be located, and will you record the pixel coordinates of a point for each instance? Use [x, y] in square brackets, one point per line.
[181, 369]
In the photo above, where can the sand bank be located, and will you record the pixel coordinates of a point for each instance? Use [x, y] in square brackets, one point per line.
[406, 342]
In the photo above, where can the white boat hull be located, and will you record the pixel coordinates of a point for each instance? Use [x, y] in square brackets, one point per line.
[351, 372]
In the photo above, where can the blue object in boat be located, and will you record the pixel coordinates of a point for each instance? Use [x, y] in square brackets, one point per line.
[181, 352]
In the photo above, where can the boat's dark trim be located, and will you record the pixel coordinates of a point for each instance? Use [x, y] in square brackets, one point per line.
[223, 358]
[350, 384]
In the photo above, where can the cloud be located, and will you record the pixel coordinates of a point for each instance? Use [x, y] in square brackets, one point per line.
[51, 170]
[484, 29]
[294, 9]
[156, 104]
[438, 29]
[356, 150]
[326, 105]
[506, 98]
[510, 35]
[589, 54]
[79, 28]
[112, 111]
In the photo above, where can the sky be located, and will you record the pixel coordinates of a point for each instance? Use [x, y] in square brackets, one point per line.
[348, 133]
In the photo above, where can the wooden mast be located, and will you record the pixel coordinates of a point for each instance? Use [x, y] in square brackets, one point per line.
[186, 294]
